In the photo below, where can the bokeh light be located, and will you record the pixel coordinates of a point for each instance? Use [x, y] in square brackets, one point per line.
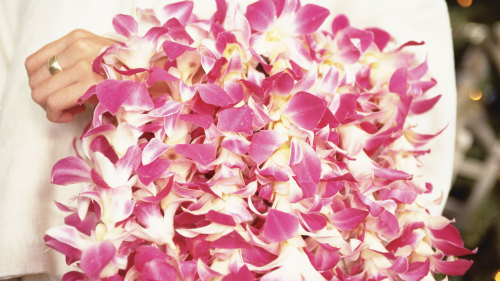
[465, 3]
[476, 94]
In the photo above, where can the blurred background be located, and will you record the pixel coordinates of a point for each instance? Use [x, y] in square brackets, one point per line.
[475, 195]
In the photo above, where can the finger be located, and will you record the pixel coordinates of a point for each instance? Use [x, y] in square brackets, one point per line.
[69, 114]
[60, 81]
[39, 58]
[67, 98]
[75, 52]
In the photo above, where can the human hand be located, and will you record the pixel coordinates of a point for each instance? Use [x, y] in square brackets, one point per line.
[58, 93]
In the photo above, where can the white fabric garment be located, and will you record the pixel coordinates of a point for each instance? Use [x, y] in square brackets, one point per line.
[30, 145]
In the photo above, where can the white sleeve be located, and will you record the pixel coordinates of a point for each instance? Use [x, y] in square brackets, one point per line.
[29, 143]
[9, 14]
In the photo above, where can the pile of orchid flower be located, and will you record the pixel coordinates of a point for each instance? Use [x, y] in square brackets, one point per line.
[253, 146]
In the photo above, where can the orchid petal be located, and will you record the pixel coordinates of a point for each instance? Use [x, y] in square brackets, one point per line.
[296, 153]
[261, 14]
[339, 22]
[416, 271]
[220, 218]
[453, 268]
[187, 270]
[146, 253]
[284, 7]
[305, 110]
[205, 272]
[85, 226]
[402, 195]
[125, 25]
[279, 84]
[243, 274]
[230, 241]
[73, 276]
[113, 94]
[200, 153]
[187, 92]
[70, 170]
[380, 37]
[213, 94]
[308, 171]
[173, 50]
[399, 81]
[236, 144]
[349, 218]
[67, 235]
[264, 144]
[387, 223]
[202, 120]
[314, 221]
[153, 150]
[330, 80]
[221, 11]
[448, 241]
[139, 99]
[223, 39]
[347, 110]
[310, 17]
[179, 10]
[215, 71]
[391, 174]
[152, 171]
[158, 270]
[96, 257]
[237, 120]
[102, 145]
[168, 109]
[69, 247]
[280, 226]
[129, 162]
[159, 74]
[257, 256]
[324, 259]
[422, 106]
[274, 173]
[177, 31]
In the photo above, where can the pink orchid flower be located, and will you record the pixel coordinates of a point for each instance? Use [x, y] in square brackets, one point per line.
[254, 145]
[280, 26]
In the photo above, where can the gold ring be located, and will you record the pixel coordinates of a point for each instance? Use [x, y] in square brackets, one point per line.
[53, 65]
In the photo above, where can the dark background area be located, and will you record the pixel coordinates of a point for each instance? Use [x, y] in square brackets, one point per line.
[475, 196]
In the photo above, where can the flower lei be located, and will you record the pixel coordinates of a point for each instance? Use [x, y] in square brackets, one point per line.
[253, 145]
